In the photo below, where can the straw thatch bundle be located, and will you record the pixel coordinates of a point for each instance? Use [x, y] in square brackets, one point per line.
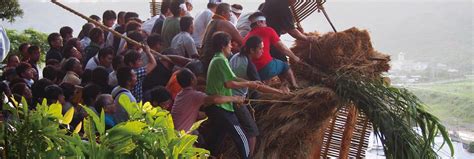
[349, 70]
[349, 50]
[287, 130]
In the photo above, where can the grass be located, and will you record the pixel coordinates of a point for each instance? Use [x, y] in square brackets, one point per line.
[452, 102]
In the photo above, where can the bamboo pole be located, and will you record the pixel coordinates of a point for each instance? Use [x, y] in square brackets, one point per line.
[319, 138]
[348, 131]
[115, 33]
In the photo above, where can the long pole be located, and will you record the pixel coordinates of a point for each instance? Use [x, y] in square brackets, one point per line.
[115, 33]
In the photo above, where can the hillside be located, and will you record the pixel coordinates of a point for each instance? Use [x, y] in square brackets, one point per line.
[452, 102]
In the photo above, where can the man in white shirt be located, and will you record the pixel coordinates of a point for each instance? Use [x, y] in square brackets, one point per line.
[183, 43]
[103, 58]
[201, 22]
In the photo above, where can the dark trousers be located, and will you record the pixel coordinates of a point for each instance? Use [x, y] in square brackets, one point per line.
[223, 122]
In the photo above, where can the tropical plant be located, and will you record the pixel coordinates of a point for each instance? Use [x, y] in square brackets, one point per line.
[34, 134]
[394, 113]
[9, 9]
[149, 133]
[31, 36]
[43, 133]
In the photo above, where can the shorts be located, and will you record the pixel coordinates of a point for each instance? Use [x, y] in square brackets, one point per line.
[246, 120]
[273, 68]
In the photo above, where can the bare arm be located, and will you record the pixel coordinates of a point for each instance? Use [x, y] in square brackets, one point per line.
[267, 89]
[240, 84]
[229, 28]
[282, 47]
[151, 60]
[295, 33]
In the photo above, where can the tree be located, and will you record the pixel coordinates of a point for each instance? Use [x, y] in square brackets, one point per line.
[9, 9]
[27, 36]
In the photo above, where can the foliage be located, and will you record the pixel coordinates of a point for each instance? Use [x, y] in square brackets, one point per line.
[28, 36]
[9, 10]
[458, 96]
[394, 113]
[148, 134]
[35, 134]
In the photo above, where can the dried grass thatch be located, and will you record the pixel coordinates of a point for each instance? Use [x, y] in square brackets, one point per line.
[348, 50]
[349, 70]
[287, 130]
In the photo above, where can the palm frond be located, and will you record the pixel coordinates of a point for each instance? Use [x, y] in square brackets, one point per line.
[395, 114]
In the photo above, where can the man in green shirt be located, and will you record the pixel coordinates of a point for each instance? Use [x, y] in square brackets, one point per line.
[171, 25]
[220, 81]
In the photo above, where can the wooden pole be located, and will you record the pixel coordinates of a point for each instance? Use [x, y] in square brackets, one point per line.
[348, 131]
[115, 33]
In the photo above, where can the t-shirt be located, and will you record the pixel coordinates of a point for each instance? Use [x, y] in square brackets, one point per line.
[158, 77]
[184, 45]
[54, 54]
[186, 108]
[91, 51]
[158, 26]
[218, 73]
[147, 26]
[243, 24]
[173, 86]
[170, 29]
[200, 24]
[269, 38]
[93, 63]
[85, 41]
[279, 16]
[244, 69]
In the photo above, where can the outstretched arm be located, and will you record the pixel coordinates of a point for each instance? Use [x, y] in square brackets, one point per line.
[282, 47]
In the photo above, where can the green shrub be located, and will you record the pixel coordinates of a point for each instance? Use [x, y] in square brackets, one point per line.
[42, 133]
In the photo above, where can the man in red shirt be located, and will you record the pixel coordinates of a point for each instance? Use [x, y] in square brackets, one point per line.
[267, 66]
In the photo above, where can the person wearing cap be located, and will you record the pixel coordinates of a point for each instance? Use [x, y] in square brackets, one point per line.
[267, 66]
[220, 22]
[280, 18]
[201, 21]
[236, 12]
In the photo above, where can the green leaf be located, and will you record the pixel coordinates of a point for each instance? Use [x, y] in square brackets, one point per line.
[78, 128]
[24, 105]
[97, 122]
[129, 106]
[124, 147]
[196, 125]
[184, 143]
[68, 116]
[55, 110]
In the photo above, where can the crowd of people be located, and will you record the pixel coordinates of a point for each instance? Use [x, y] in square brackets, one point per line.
[212, 62]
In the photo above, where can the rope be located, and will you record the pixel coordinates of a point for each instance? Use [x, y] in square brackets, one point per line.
[115, 33]
[267, 101]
